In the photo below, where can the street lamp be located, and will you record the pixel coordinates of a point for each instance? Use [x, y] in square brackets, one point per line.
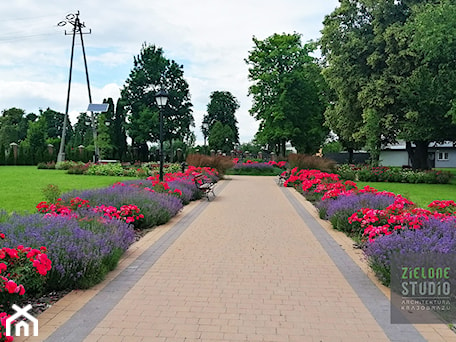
[161, 98]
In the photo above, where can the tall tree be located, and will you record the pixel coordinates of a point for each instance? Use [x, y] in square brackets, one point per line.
[304, 99]
[429, 91]
[221, 137]
[53, 122]
[275, 63]
[222, 108]
[151, 72]
[13, 126]
[83, 133]
[346, 44]
[119, 135]
[35, 142]
[400, 87]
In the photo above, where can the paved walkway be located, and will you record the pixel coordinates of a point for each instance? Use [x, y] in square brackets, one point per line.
[255, 264]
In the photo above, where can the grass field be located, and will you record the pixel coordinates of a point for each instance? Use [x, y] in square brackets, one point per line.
[421, 194]
[21, 187]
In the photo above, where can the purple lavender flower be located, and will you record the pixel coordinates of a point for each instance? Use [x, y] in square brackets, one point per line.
[435, 236]
[157, 208]
[82, 250]
[187, 186]
[338, 210]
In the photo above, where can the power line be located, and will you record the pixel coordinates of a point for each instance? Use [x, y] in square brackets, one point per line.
[30, 18]
[23, 37]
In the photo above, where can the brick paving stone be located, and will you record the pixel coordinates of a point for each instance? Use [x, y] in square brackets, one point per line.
[248, 268]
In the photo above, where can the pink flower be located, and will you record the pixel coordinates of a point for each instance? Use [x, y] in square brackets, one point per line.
[10, 286]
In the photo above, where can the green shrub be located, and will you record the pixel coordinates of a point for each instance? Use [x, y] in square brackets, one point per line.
[51, 193]
[346, 172]
[78, 168]
[65, 165]
[46, 166]
[112, 169]
[367, 173]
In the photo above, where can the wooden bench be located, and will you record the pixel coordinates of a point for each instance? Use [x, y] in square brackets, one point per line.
[203, 185]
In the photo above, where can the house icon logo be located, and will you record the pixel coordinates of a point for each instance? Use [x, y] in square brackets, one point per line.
[22, 324]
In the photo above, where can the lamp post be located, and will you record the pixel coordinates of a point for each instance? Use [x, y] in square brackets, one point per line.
[162, 99]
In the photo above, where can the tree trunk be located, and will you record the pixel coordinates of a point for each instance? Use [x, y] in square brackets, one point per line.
[171, 152]
[350, 155]
[410, 152]
[421, 156]
[283, 147]
[375, 155]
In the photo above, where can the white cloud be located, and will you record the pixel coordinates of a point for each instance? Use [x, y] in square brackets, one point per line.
[210, 38]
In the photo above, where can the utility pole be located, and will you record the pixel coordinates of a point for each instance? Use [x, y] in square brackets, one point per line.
[73, 19]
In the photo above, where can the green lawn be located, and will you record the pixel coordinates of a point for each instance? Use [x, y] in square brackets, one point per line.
[421, 194]
[21, 186]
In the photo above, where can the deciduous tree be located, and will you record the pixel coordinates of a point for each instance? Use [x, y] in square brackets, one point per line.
[222, 108]
[282, 72]
[151, 72]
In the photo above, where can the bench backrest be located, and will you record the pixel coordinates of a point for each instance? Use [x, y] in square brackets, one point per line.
[198, 177]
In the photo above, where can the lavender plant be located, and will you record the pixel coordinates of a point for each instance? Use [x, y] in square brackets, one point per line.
[189, 191]
[338, 210]
[435, 236]
[82, 250]
[157, 208]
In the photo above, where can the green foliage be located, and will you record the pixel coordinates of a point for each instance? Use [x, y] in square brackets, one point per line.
[35, 143]
[83, 132]
[222, 108]
[65, 165]
[287, 93]
[118, 131]
[221, 137]
[394, 175]
[111, 169]
[47, 166]
[52, 123]
[13, 126]
[250, 171]
[51, 193]
[152, 70]
[251, 147]
[390, 66]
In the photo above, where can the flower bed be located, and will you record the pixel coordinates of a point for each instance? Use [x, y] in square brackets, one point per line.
[381, 221]
[85, 234]
[250, 167]
[21, 269]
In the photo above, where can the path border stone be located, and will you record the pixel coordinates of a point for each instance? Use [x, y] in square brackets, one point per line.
[371, 296]
[108, 297]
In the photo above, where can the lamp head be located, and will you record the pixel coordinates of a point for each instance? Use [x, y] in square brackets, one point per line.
[161, 98]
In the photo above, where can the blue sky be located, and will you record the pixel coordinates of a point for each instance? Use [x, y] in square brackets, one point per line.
[209, 38]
